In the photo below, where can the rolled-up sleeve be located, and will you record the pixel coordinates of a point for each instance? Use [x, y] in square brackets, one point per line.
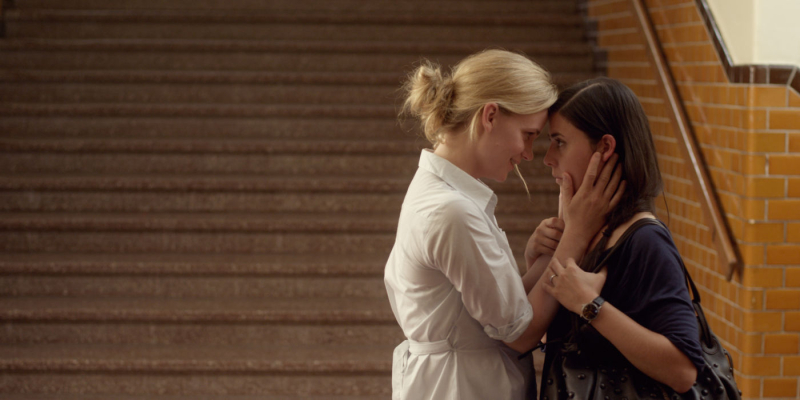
[460, 241]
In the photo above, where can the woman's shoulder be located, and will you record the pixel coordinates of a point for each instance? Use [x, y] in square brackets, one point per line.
[648, 224]
[651, 250]
[652, 234]
[441, 207]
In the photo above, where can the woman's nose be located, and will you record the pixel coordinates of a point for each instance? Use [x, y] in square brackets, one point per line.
[548, 158]
[527, 155]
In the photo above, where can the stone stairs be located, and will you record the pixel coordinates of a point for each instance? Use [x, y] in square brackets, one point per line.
[197, 197]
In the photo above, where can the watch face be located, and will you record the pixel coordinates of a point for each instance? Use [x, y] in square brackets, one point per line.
[590, 311]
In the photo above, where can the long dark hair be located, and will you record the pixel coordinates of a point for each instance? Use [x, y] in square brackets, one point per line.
[604, 106]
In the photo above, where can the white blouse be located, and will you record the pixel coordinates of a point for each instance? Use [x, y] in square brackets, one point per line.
[455, 290]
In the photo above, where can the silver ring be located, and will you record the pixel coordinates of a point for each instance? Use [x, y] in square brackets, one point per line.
[551, 278]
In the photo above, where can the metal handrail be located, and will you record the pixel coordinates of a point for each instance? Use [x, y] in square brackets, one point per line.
[728, 252]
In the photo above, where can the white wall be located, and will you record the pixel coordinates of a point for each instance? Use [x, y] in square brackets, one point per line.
[778, 32]
[737, 25]
[759, 31]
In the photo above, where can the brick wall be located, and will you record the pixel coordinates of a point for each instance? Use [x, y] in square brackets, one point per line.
[750, 137]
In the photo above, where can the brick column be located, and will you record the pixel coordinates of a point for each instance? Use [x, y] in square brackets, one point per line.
[750, 137]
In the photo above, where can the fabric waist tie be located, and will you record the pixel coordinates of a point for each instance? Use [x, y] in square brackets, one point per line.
[419, 348]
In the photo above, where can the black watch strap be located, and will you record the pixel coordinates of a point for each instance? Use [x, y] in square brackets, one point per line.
[599, 301]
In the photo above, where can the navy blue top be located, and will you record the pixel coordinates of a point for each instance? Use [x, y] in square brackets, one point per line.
[646, 282]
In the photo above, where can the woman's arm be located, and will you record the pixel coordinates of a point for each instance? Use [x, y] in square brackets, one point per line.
[544, 305]
[650, 352]
[542, 243]
[584, 215]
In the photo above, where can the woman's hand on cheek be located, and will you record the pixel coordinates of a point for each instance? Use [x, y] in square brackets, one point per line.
[572, 286]
[585, 211]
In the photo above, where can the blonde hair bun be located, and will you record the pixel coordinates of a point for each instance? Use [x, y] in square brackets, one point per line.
[449, 103]
[429, 94]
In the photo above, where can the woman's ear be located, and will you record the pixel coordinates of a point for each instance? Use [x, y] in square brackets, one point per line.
[606, 146]
[488, 116]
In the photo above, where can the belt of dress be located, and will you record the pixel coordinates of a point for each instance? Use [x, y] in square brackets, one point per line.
[443, 346]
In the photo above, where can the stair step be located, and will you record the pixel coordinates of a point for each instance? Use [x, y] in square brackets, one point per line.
[319, 222]
[317, 128]
[99, 110]
[400, 145]
[338, 17]
[272, 55]
[353, 6]
[222, 46]
[238, 183]
[405, 145]
[219, 127]
[199, 93]
[9, 396]
[211, 310]
[254, 24]
[187, 287]
[222, 183]
[202, 333]
[185, 359]
[26, 201]
[464, 29]
[219, 265]
[542, 200]
[204, 242]
[201, 385]
[388, 165]
[214, 77]
[191, 222]
[203, 183]
[160, 242]
[247, 164]
[186, 370]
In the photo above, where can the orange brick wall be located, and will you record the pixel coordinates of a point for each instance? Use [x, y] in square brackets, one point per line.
[750, 136]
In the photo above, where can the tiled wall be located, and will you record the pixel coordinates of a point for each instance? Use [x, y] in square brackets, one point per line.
[750, 136]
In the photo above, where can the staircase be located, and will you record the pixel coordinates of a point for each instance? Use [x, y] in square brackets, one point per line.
[197, 197]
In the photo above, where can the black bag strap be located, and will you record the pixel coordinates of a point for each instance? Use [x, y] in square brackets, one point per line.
[625, 235]
[705, 331]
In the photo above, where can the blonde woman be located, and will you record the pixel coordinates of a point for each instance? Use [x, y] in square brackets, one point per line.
[451, 278]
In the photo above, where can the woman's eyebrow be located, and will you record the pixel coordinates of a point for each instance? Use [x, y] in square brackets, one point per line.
[554, 134]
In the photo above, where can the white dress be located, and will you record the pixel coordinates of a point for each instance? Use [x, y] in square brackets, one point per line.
[455, 290]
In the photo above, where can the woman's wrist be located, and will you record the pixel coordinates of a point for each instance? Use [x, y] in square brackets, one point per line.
[577, 234]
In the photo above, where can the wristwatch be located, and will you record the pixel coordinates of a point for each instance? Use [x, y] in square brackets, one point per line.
[589, 311]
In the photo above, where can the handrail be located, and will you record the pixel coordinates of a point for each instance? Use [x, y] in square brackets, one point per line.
[727, 250]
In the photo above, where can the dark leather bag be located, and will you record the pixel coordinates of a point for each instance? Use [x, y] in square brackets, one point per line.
[586, 366]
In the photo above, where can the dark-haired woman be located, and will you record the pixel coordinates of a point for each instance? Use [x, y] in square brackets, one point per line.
[643, 312]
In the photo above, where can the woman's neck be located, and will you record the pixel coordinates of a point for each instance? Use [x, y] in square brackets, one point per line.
[460, 151]
[612, 240]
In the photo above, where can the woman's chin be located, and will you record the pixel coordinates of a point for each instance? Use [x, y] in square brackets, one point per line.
[500, 177]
